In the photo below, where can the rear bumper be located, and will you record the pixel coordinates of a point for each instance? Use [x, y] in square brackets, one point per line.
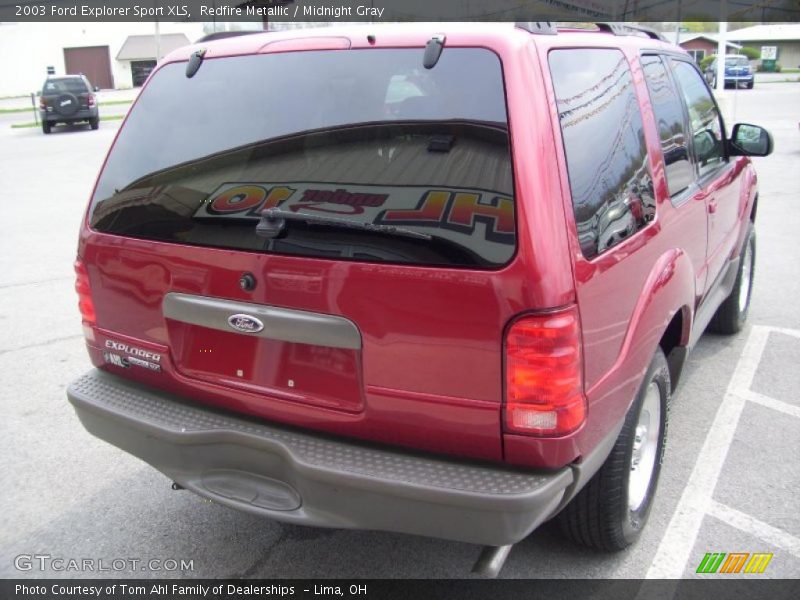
[303, 478]
[80, 115]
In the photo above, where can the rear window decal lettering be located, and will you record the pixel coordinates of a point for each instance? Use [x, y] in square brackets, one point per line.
[448, 210]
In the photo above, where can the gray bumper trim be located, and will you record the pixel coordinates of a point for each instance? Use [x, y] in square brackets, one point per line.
[309, 479]
[284, 324]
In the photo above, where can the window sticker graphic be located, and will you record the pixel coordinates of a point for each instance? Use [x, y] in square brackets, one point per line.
[471, 217]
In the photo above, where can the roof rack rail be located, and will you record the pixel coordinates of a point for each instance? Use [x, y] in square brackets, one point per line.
[221, 35]
[627, 29]
[540, 27]
[549, 28]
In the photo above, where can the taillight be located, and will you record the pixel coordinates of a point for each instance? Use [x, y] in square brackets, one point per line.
[544, 374]
[42, 103]
[85, 304]
[90, 101]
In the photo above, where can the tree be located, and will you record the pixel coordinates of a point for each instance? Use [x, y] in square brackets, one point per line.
[700, 26]
[750, 52]
[705, 61]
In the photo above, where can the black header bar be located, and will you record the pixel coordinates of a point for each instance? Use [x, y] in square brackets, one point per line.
[400, 10]
[387, 589]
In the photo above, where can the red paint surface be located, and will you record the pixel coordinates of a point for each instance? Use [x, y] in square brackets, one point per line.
[430, 373]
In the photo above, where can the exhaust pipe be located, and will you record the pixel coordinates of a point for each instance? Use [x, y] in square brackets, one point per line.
[491, 561]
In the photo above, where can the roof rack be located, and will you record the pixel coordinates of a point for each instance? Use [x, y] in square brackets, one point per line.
[220, 35]
[627, 29]
[549, 28]
[540, 27]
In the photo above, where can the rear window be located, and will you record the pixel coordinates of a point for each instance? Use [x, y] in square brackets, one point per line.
[365, 136]
[70, 85]
[736, 61]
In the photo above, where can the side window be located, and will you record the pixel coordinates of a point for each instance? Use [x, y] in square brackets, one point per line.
[707, 135]
[668, 110]
[601, 125]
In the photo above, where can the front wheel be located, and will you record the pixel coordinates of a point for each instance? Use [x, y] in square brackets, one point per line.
[732, 313]
[610, 512]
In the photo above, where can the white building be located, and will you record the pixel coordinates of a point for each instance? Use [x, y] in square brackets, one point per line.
[784, 38]
[111, 55]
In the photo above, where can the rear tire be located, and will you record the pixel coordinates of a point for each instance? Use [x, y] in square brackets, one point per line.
[46, 127]
[610, 512]
[732, 313]
[94, 123]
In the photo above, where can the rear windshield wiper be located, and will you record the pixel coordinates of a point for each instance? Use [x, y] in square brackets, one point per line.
[273, 221]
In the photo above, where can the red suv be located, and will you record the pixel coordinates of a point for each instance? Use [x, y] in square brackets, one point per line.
[435, 280]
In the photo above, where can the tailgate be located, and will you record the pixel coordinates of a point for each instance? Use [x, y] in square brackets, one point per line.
[402, 355]
[374, 305]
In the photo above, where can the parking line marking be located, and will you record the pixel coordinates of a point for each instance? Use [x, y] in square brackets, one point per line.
[764, 531]
[676, 546]
[786, 331]
[779, 405]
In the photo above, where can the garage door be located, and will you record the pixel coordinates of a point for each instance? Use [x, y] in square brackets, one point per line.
[92, 61]
[140, 71]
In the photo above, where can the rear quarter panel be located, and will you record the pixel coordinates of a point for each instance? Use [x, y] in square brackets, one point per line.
[628, 294]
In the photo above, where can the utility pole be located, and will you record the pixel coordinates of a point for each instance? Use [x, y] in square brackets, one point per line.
[722, 44]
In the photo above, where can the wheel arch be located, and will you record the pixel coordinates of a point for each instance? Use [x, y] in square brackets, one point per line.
[674, 343]
[662, 317]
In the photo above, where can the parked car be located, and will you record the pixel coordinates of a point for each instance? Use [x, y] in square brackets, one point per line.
[434, 280]
[68, 99]
[737, 72]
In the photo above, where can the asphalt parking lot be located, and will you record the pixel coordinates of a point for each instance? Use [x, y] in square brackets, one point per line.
[730, 482]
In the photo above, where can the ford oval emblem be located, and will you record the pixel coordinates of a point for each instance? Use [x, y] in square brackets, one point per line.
[245, 323]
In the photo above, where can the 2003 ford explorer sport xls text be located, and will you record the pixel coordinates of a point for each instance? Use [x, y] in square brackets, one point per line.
[438, 280]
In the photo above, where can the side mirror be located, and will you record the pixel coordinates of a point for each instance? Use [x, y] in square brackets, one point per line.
[750, 140]
[96, 88]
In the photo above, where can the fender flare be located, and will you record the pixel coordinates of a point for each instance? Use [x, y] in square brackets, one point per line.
[668, 289]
